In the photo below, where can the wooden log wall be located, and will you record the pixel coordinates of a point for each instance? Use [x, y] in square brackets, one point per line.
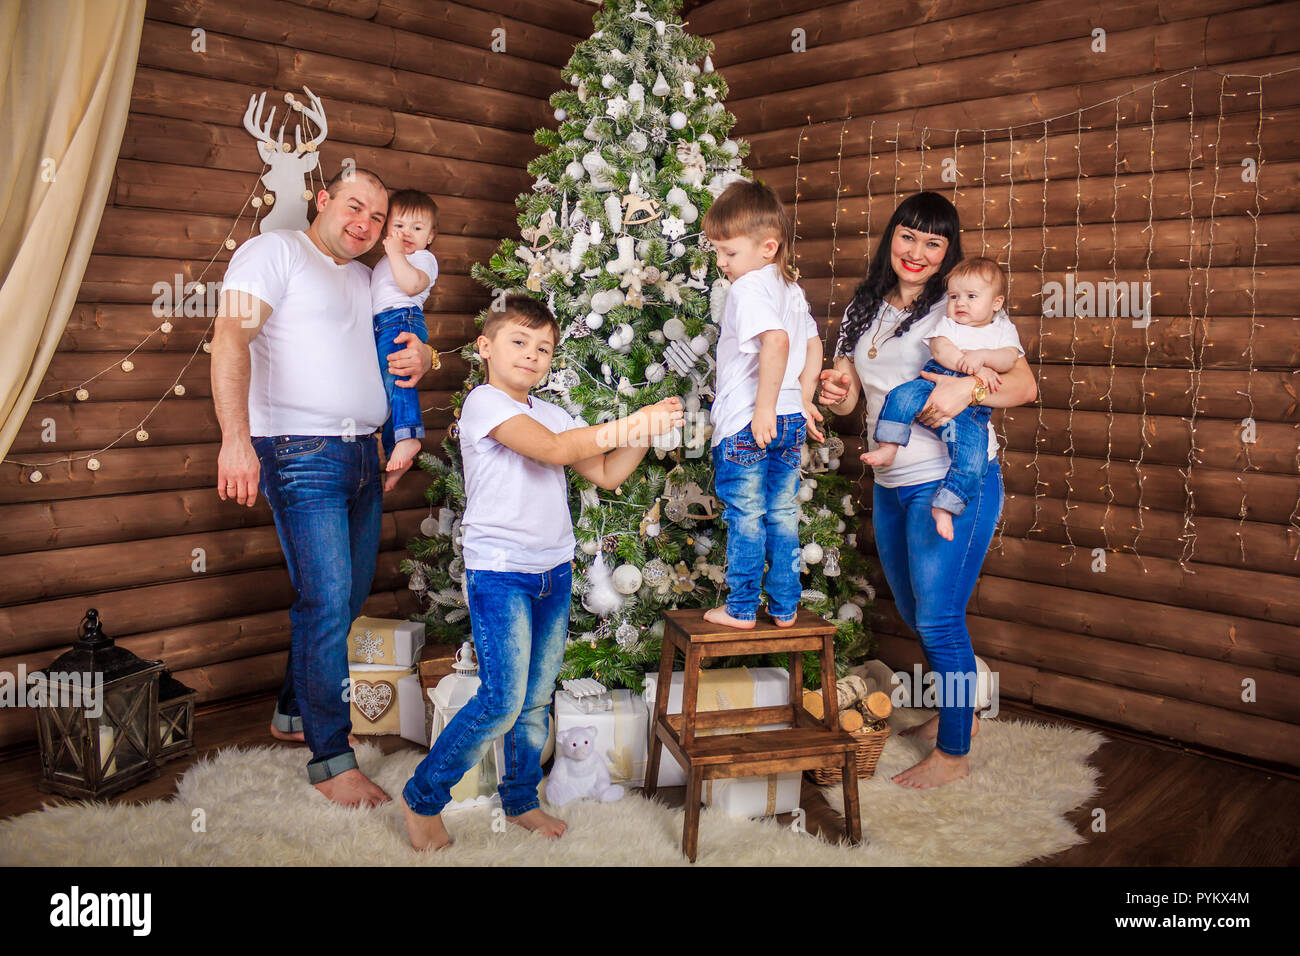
[413, 91]
[1192, 630]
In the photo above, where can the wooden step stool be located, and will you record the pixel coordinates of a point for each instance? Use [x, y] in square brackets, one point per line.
[808, 744]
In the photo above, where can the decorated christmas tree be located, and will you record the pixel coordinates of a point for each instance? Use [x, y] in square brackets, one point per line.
[612, 243]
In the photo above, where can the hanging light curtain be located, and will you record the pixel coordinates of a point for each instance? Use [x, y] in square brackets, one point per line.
[66, 69]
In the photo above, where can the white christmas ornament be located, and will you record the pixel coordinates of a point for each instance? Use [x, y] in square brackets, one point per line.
[636, 92]
[627, 578]
[288, 165]
[560, 114]
[677, 120]
[661, 86]
[575, 170]
[602, 598]
[654, 373]
[812, 552]
[849, 612]
[608, 81]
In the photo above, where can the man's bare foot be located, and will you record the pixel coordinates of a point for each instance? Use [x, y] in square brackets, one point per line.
[352, 788]
[942, 522]
[935, 770]
[719, 615]
[883, 454]
[404, 453]
[539, 822]
[300, 737]
[930, 729]
[425, 833]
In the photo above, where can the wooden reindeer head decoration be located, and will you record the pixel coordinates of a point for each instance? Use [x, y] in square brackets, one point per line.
[289, 164]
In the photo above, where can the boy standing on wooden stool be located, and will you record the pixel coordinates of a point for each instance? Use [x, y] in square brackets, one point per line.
[518, 547]
[769, 356]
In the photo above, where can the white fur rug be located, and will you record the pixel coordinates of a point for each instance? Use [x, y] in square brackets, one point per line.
[255, 807]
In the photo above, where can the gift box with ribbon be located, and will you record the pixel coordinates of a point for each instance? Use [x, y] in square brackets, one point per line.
[387, 700]
[620, 732]
[381, 640]
[730, 688]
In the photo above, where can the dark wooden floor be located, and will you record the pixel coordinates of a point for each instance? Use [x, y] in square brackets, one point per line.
[1164, 806]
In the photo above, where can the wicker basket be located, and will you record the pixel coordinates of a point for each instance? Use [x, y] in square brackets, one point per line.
[870, 744]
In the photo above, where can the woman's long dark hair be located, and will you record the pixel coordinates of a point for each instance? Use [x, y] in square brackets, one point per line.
[924, 212]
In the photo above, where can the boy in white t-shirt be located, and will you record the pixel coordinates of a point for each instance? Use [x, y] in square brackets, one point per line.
[975, 338]
[518, 547]
[769, 355]
[399, 286]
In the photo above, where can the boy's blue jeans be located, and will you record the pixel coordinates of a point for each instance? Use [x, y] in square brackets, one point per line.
[520, 623]
[324, 492]
[932, 580]
[404, 417]
[758, 486]
[967, 437]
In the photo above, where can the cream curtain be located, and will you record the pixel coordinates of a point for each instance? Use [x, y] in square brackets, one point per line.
[65, 89]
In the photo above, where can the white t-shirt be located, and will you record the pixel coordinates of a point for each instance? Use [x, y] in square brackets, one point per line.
[315, 369]
[517, 508]
[759, 301]
[898, 360]
[1000, 333]
[386, 294]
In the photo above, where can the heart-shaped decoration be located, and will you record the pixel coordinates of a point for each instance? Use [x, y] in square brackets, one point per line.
[373, 699]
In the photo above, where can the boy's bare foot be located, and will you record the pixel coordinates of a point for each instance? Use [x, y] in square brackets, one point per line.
[300, 737]
[404, 453]
[934, 771]
[930, 729]
[352, 788]
[391, 475]
[540, 822]
[883, 454]
[425, 833]
[783, 622]
[719, 615]
[942, 522]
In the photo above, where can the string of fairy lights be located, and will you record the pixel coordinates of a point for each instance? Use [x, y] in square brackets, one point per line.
[1198, 324]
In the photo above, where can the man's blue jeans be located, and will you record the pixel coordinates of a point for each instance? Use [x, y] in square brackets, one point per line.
[520, 623]
[404, 417]
[759, 488]
[967, 437]
[932, 580]
[325, 494]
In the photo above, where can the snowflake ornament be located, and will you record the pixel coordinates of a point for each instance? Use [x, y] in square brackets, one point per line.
[673, 228]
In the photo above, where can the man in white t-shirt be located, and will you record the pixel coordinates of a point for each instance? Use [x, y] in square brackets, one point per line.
[299, 396]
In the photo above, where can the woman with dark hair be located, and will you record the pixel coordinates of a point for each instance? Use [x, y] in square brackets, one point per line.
[880, 346]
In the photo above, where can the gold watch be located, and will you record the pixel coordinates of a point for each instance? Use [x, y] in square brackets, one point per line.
[979, 393]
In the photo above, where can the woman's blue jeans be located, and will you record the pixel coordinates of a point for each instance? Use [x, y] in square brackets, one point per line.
[325, 494]
[932, 580]
[759, 487]
[405, 420]
[520, 623]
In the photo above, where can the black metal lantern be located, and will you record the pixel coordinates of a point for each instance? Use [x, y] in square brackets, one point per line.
[175, 718]
[98, 719]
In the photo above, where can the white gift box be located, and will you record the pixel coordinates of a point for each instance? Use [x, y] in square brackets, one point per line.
[381, 640]
[719, 689]
[620, 732]
[763, 796]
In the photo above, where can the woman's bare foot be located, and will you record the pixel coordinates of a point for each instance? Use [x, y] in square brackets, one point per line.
[930, 729]
[425, 833]
[942, 522]
[540, 822]
[883, 454]
[404, 453]
[352, 788]
[300, 737]
[934, 771]
[719, 615]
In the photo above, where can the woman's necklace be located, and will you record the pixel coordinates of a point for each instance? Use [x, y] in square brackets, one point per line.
[875, 340]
